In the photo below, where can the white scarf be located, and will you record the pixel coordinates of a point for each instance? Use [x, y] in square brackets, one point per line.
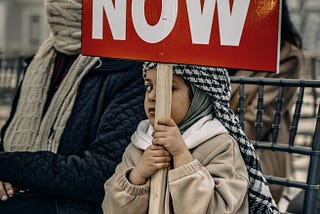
[198, 133]
[28, 131]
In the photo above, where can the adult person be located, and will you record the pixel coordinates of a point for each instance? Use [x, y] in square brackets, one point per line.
[291, 60]
[70, 123]
[202, 142]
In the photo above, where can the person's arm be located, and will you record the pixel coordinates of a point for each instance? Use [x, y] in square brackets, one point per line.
[121, 196]
[81, 176]
[220, 186]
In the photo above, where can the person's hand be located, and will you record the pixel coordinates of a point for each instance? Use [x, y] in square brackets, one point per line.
[154, 158]
[167, 134]
[6, 189]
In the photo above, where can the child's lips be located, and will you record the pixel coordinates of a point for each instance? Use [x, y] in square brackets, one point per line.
[152, 111]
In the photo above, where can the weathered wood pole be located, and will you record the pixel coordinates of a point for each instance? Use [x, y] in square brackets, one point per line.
[163, 109]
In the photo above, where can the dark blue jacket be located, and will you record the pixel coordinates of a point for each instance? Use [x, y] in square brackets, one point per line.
[108, 107]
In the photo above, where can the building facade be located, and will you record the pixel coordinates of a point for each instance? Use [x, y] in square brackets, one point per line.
[22, 26]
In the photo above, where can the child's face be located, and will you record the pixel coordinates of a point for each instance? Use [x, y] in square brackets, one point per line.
[180, 97]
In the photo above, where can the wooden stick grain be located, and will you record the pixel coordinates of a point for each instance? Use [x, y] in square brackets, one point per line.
[163, 109]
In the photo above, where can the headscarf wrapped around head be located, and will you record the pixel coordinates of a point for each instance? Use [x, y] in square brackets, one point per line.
[200, 106]
[216, 83]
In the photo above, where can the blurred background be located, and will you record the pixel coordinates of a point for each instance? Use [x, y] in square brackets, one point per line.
[23, 28]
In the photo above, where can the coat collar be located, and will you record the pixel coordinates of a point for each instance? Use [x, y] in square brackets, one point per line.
[204, 129]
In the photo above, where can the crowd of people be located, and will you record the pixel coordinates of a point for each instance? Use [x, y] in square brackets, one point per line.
[82, 137]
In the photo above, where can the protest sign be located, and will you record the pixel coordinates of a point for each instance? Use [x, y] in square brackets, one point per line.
[223, 33]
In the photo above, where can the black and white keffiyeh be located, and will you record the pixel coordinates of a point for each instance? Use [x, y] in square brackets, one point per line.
[216, 82]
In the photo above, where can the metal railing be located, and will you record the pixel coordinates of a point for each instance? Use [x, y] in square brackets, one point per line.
[11, 71]
[311, 184]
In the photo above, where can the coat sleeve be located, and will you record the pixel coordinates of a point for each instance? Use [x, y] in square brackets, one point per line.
[120, 195]
[290, 68]
[218, 186]
[92, 143]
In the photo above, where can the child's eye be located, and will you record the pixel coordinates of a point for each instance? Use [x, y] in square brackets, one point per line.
[174, 87]
[148, 87]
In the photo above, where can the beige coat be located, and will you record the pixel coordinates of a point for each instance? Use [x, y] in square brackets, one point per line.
[272, 163]
[215, 182]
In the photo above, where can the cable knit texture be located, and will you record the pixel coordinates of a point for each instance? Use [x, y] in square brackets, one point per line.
[64, 18]
[28, 125]
[70, 151]
[130, 188]
[107, 109]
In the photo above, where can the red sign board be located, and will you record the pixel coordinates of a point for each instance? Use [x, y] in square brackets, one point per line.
[223, 33]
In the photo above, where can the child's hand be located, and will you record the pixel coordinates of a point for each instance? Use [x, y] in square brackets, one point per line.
[166, 133]
[154, 158]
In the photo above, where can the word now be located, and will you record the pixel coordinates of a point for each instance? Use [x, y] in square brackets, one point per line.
[231, 21]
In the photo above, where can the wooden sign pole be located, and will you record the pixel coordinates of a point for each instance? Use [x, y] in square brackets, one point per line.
[163, 109]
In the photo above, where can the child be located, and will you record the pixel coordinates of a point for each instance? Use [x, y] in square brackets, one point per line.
[208, 173]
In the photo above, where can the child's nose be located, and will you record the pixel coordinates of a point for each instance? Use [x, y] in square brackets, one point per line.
[152, 95]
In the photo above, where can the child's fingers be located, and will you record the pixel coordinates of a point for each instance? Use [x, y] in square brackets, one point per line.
[166, 121]
[160, 134]
[156, 147]
[162, 159]
[160, 128]
[162, 165]
[159, 151]
[163, 140]
[157, 141]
